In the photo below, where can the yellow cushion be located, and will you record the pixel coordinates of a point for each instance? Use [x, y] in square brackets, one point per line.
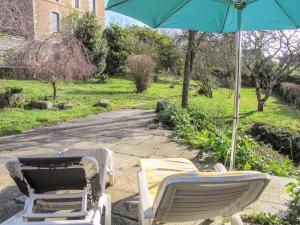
[156, 170]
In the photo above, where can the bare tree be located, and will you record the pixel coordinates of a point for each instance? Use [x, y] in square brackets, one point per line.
[206, 65]
[269, 57]
[226, 56]
[16, 17]
[193, 41]
[58, 57]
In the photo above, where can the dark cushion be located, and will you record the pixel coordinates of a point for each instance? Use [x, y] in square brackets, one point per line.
[50, 161]
[52, 174]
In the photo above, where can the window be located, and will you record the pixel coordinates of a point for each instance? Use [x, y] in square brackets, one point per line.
[93, 6]
[55, 23]
[76, 4]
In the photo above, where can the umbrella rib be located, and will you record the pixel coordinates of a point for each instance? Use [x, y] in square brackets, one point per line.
[116, 4]
[225, 19]
[172, 13]
[287, 15]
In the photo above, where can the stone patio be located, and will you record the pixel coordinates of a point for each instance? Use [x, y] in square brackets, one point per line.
[127, 133]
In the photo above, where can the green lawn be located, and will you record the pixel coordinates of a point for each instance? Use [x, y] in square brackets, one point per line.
[121, 94]
[275, 112]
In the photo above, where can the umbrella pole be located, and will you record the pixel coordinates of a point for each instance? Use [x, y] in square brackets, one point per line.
[237, 87]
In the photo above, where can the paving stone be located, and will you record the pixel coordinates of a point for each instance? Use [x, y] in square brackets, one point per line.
[274, 199]
[8, 206]
[125, 132]
[83, 145]
[120, 220]
[125, 181]
[125, 162]
[127, 207]
[172, 149]
[134, 150]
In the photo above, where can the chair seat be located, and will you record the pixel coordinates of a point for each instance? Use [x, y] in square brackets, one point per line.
[157, 170]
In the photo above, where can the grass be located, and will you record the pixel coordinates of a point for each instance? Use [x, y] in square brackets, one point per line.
[275, 112]
[121, 94]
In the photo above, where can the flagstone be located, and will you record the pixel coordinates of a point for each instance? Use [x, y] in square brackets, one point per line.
[127, 133]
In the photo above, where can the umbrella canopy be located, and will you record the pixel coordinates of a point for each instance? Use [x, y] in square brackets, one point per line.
[218, 16]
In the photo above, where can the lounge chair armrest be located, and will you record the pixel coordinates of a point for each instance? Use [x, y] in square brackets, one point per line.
[220, 168]
[145, 205]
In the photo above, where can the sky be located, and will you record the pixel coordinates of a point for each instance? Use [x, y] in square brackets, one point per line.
[113, 17]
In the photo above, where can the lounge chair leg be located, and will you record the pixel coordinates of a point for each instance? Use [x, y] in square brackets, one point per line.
[140, 213]
[142, 220]
[145, 221]
[111, 178]
[108, 210]
[236, 219]
[110, 167]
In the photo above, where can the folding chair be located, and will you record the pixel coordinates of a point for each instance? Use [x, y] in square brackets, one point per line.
[173, 190]
[62, 190]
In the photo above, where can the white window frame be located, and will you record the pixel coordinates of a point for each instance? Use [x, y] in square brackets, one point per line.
[51, 21]
[74, 4]
[91, 6]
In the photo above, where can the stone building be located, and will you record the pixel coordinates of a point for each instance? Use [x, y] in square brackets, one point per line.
[43, 17]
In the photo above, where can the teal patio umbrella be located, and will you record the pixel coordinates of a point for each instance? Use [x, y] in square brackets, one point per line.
[218, 16]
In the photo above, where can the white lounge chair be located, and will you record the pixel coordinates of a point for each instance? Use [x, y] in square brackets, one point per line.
[62, 190]
[173, 190]
[103, 156]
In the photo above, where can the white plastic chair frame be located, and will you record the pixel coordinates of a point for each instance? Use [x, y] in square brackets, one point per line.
[109, 162]
[148, 213]
[87, 217]
[92, 216]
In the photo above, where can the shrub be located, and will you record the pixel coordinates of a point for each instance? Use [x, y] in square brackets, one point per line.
[201, 120]
[141, 68]
[292, 79]
[264, 219]
[102, 78]
[5, 73]
[88, 31]
[118, 42]
[197, 129]
[13, 90]
[205, 90]
[174, 117]
[294, 191]
[160, 46]
[284, 140]
[290, 92]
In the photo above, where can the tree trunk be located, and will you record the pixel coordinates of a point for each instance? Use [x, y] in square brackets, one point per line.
[260, 106]
[189, 58]
[260, 101]
[54, 89]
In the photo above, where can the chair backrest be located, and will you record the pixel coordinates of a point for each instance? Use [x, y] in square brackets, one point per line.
[189, 198]
[41, 175]
[103, 157]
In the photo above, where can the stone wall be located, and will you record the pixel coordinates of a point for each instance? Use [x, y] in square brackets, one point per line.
[37, 15]
[43, 9]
